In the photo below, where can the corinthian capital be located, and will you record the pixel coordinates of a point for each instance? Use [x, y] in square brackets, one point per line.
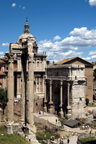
[10, 57]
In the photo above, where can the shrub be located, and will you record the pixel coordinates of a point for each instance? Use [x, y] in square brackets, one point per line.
[87, 101]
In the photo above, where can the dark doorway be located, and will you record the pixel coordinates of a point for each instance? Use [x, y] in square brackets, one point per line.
[57, 99]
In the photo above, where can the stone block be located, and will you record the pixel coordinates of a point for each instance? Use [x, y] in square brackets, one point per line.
[8, 129]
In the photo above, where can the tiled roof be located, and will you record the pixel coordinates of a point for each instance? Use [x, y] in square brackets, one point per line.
[64, 61]
[1, 73]
[1, 61]
[40, 55]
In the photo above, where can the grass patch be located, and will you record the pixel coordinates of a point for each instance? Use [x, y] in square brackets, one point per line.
[88, 139]
[2, 130]
[37, 124]
[45, 135]
[61, 119]
[11, 139]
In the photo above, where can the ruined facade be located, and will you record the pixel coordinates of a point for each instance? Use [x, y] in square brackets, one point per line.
[30, 72]
[65, 90]
[88, 74]
[64, 85]
[2, 74]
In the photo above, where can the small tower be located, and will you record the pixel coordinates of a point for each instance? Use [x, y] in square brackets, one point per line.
[26, 30]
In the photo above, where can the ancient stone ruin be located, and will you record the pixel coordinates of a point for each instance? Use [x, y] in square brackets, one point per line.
[24, 48]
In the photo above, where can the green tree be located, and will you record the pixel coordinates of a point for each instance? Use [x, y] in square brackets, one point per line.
[94, 73]
[3, 98]
[87, 101]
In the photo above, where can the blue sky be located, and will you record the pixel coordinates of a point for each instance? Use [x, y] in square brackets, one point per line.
[63, 28]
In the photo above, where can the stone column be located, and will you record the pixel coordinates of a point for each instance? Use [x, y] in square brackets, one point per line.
[45, 100]
[43, 85]
[30, 97]
[61, 109]
[10, 90]
[36, 84]
[39, 84]
[18, 85]
[51, 103]
[19, 62]
[23, 81]
[69, 72]
[68, 115]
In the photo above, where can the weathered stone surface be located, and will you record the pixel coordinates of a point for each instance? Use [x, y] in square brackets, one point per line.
[67, 90]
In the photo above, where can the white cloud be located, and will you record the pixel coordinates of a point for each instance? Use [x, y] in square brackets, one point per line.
[1, 56]
[23, 7]
[92, 2]
[14, 4]
[56, 38]
[81, 38]
[1, 53]
[91, 58]
[5, 44]
[92, 52]
[19, 5]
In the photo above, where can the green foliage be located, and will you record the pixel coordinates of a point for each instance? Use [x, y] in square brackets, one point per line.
[87, 101]
[94, 73]
[45, 135]
[2, 129]
[88, 139]
[11, 139]
[3, 97]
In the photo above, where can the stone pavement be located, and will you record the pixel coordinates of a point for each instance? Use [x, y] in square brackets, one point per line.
[73, 140]
[52, 119]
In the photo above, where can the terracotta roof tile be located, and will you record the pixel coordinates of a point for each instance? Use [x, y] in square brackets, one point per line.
[69, 59]
[1, 61]
[63, 61]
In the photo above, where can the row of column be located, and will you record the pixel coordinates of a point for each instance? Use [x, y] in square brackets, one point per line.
[26, 101]
[39, 85]
[61, 100]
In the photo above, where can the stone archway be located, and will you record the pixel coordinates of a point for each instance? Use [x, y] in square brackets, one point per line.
[57, 99]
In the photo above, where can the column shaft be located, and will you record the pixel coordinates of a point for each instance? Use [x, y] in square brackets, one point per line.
[23, 92]
[45, 92]
[43, 85]
[39, 84]
[29, 110]
[10, 90]
[50, 91]
[68, 95]
[61, 92]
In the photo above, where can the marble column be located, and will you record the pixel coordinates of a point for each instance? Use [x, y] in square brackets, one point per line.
[69, 73]
[68, 115]
[61, 109]
[43, 85]
[23, 87]
[51, 102]
[36, 84]
[39, 83]
[45, 99]
[19, 62]
[30, 97]
[18, 85]
[10, 93]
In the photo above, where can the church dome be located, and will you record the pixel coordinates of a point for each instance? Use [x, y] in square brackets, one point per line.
[26, 34]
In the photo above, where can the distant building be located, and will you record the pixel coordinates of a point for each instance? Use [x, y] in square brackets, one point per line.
[68, 83]
[2, 74]
[64, 85]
